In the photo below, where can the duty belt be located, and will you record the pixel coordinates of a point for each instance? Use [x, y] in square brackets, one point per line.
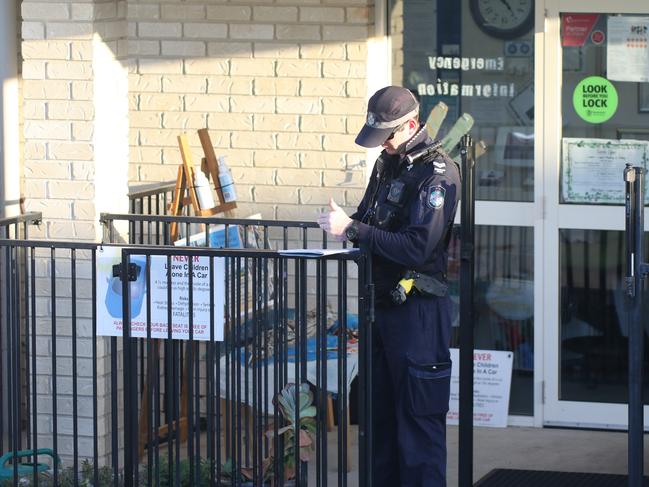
[424, 284]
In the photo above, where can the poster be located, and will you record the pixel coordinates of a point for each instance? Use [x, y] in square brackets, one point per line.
[627, 51]
[492, 377]
[592, 169]
[109, 296]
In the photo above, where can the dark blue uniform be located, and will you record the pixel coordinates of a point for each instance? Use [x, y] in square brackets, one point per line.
[406, 218]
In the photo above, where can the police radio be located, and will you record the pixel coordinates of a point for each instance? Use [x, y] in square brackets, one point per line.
[424, 153]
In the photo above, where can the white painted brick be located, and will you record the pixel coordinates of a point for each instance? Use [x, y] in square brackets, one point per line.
[277, 86]
[230, 121]
[183, 11]
[45, 11]
[34, 110]
[206, 66]
[298, 32]
[183, 48]
[322, 124]
[158, 138]
[322, 159]
[228, 85]
[81, 51]
[229, 49]
[337, 141]
[322, 14]
[298, 105]
[82, 11]
[318, 196]
[57, 207]
[206, 103]
[137, 47]
[274, 14]
[150, 101]
[158, 173]
[71, 189]
[355, 88]
[69, 30]
[184, 120]
[344, 69]
[354, 123]
[159, 29]
[344, 32]
[143, 11]
[33, 30]
[160, 66]
[300, 68]
[251, 140]
[70, 110]
[34, 150]
[237, 157]
[151, 155]
[252, 104]
[195, 30]
[322, 51]
[276, 158]
[276, 194]
[78, 151]
[33, 69]
[276, 123]
[82, 130]
[356, 51]
[299, 177]
[46, 129]
[35, 189]
[84, 210]
[69, 70]
[359, 15]
[228, 12]
[47, 50]
[343, 106]
[184, 84]
[276, 50]
[322, 87]
[252, 67]
[105, 10]
[145, 119]
[299, 141]
[338, 178]
[251, 31]
[83, 170]
[139, 83]
[82, 90]
[254, 176]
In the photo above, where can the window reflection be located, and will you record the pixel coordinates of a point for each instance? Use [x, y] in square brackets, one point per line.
[504, 301]
[453, 53]
[593, 327]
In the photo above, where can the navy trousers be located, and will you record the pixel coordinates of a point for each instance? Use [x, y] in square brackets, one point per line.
[411, 381]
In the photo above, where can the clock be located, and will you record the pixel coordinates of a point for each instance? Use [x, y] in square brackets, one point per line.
[504, 19]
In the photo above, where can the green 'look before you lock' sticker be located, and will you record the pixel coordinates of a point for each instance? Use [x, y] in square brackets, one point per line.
[595, 99]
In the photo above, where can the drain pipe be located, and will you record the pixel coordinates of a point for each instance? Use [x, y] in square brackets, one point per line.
[9, 120]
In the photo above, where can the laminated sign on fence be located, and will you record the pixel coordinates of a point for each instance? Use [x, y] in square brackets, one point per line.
[110, 299]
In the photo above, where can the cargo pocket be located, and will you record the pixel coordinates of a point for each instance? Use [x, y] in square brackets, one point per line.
[428, 387]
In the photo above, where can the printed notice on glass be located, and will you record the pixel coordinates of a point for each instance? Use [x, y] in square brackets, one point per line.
[109, 296]
[492, 378]
[592, 169]
[627, 50]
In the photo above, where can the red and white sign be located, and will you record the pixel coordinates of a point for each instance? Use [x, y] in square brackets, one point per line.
[575, 28]
[492, 377]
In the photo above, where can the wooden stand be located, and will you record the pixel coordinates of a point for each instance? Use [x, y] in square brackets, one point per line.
[185, 184]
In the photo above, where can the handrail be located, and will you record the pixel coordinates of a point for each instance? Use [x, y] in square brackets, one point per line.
[106, 218]
[152, 189]
[33, 217]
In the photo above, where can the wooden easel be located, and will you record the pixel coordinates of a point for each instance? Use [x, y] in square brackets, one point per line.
[185, 183]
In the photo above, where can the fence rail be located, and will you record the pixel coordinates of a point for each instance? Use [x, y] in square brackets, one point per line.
[136, 409]
[18, 226]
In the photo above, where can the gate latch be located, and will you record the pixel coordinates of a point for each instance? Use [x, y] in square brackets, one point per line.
[133, 271]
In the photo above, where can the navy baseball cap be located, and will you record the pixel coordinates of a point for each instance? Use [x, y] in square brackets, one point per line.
[388, 108]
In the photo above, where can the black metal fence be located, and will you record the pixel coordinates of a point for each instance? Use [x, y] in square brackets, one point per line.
[149, 407]
[151, 199]
[18, 226]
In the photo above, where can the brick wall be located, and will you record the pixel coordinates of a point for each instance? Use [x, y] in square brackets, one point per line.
[281, 88]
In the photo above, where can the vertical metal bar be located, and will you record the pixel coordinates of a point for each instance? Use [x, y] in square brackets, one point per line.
[113, 408]
[14, 353]
[212, 453]
[365, 324]
[467, 272]
[636, 270]
[75, 397]
[151, 356]
[189, 372]
[95, 439]
[32, 276]
[169, 377]
[55, 408]
[128, 369]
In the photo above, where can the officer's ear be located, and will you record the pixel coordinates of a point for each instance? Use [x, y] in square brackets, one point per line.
[413, 125]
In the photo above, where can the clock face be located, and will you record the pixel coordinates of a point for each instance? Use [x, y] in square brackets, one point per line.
[505, 19]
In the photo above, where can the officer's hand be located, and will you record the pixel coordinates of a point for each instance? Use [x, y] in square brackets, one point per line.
[335, 221]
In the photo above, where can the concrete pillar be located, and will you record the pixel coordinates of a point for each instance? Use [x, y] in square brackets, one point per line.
[9, 120]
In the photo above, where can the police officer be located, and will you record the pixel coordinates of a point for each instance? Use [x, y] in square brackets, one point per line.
[405, 221]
